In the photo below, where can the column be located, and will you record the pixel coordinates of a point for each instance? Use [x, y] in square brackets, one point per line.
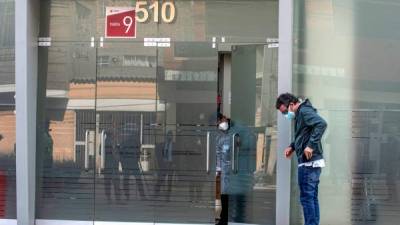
[284, 133]
[26, 33]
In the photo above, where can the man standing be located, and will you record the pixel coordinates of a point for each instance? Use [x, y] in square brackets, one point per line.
[308, 130]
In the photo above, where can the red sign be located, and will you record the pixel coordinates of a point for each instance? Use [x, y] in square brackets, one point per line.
[120, 22]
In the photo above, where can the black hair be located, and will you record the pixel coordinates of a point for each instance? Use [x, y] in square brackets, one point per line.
[219, 116]
[285, 99]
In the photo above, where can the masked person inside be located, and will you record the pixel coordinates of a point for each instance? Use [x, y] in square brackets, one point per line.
[308, 130]
[223, 151]
[236, 180]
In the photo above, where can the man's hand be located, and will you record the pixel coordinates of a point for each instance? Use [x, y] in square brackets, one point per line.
[120, 167]
[288, 152]
[308, 153]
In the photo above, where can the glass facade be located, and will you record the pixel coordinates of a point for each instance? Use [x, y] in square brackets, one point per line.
[126, 131]
[345, 61]
[7, 111]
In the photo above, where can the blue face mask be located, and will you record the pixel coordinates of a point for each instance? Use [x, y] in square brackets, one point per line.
[290, 115]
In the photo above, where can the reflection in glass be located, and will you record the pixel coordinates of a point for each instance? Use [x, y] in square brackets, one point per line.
[68, 20]
[198, 20]
[127, 128]
[7, 111]
[65, 121]
[187, 85]
[125, 117]
[201, 20]
[252, 113]
[355, 84]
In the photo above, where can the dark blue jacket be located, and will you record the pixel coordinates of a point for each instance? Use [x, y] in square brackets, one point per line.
[308, 130]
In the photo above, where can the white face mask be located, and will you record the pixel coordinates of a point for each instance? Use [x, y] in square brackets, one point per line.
[223, 126]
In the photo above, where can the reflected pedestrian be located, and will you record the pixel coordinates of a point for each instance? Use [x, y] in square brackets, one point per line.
[112, 161]
[166, 167]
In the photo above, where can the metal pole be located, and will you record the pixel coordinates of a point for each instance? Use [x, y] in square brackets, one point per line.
[26, 67]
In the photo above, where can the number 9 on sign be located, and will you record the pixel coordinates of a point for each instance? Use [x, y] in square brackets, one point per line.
[128, 21]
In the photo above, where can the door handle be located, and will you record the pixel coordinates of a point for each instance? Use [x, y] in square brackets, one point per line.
[208, 153]
[103, 137]
[86, 149]
[234, 165]
[141, 129]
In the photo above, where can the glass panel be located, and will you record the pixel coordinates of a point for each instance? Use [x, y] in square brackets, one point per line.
[252, 190]
[235, 21]
[185, 172]
[345, 62]
[126, 109]
[65, 131]
[148, 137]
[7, 111]
[80, 20]
[68, 20]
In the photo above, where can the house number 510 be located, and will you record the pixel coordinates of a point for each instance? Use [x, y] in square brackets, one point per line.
[167, 11]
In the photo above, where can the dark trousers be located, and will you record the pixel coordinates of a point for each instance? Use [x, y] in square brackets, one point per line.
[164, 179]
[233, 208]
[224, 212]
[308, 178]
[237, 208]
[139, 184]
[111, 179]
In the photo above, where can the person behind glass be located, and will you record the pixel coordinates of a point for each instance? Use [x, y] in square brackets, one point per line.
[48, 147]
[112, 161]
[165, 171]
[223, 163]
[129, 154]
[308, 130]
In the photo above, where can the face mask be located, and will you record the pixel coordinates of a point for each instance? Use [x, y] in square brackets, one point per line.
[223, 126]
[290, 115]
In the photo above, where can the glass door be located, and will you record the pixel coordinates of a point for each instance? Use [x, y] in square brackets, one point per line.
[253, 91]
[155, 117]
[65, 132]
[66, 121]
[126, 132]
[126, 108]
[185, 153]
